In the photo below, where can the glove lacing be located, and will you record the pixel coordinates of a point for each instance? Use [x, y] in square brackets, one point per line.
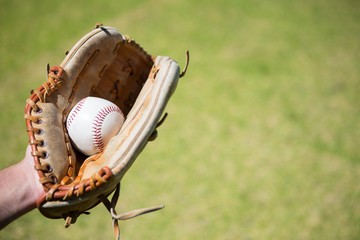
[110, 205]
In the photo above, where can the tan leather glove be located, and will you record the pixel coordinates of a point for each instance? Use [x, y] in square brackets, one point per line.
[109, 65]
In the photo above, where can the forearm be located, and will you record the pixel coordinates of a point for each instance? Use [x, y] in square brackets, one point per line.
[20, 190]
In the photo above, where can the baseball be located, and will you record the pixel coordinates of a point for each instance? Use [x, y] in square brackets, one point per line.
[91, 124]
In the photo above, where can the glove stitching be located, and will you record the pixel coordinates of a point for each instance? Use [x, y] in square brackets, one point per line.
[39, 95]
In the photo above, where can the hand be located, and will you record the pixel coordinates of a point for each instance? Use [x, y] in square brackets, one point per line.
[20, 189]
[30, 173]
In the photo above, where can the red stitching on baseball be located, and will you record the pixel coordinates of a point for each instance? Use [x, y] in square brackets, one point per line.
[98, 122]
[75, 112]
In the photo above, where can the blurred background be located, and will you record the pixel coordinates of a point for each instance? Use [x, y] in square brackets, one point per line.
[262, 136]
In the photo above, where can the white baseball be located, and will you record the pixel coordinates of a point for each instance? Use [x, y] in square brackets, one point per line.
[92, 122]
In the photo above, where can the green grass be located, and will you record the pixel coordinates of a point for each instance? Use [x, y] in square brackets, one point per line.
[262, 136]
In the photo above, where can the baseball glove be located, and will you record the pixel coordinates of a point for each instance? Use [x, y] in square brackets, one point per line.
[109, 65]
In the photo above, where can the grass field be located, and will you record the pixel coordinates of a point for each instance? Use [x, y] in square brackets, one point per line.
[262, 138]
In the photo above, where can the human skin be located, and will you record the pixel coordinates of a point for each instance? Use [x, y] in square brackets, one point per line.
[20, 189]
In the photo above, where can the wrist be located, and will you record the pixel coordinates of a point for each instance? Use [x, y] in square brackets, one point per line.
[22, 188]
